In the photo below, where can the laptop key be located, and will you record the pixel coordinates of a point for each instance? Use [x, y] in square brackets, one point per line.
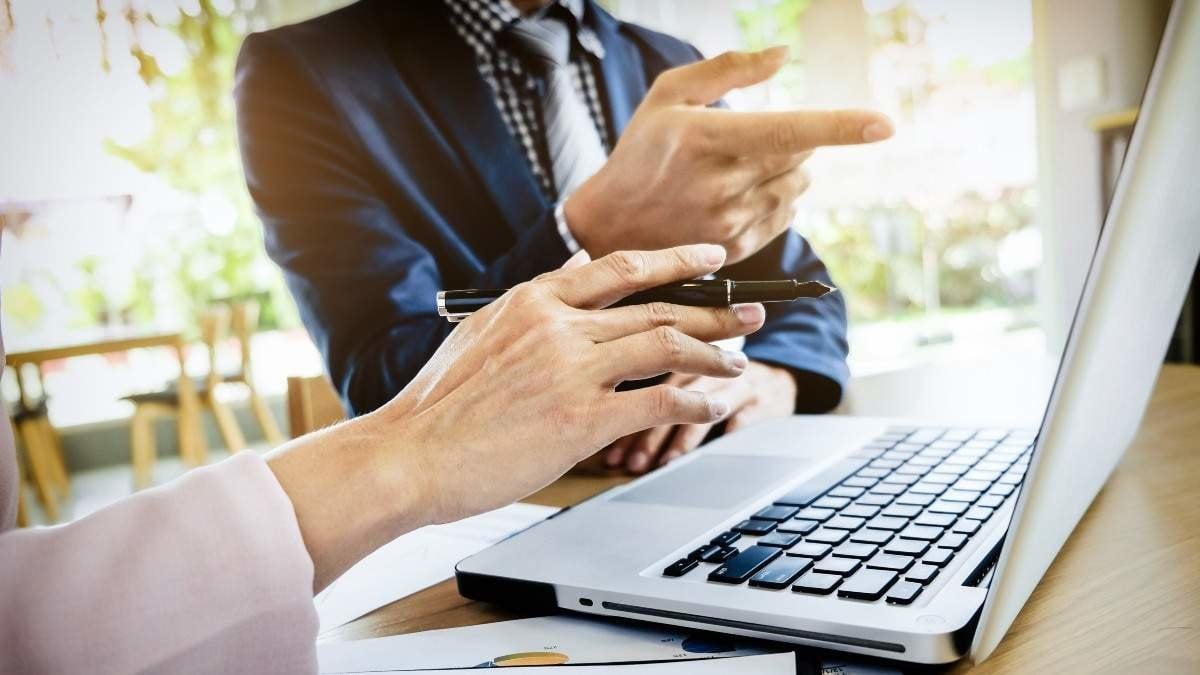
[704, 552]
[871, 472]
[927, 488]
[935, 519]
[868, 584]
[828, 536]
[891, 489]
[953, 508]
[798, 526]
[814, 513]
[1002, 489]
[891, 561]
[680, 567]
[913, 547]
[979, 513]
[726, 553]
[980, 474]
[830, 502]
[885, 464]
[961, 496]
[855, 550]
[859, 481]
[901, 479]
[990, 501]
[902, 511]
[874, 500]
[1011, 478]
[780, 573]
[744, 564]
[888, 523]
[870, 536]
[938, 556]
[903, 593]
[726, 538]
[940, 478]
[846, 491]
[755, 526]
[809, 549]
[779, 539]
[922, 532]
[860, 511]
[845, 523]
[966, 526]
[952, 540]
[915, 499]
[922, 574]
[833, 565]
[776, 513]
[971, 485]
[818, 583]
[808, 491]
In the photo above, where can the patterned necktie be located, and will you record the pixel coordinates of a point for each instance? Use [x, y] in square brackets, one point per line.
[576, 151]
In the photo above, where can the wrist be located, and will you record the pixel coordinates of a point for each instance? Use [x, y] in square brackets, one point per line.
[579, 213]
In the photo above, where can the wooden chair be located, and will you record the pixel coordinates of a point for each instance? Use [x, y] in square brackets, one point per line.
[312, 404]
[243, 323]
[214, 326]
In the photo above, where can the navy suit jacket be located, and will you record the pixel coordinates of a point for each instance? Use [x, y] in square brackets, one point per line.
[383, 172]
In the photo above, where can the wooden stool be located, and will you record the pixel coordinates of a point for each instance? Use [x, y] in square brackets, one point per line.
[214, 325]
[243, 323]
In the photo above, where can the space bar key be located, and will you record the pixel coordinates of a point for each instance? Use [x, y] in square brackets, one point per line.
[808, 491]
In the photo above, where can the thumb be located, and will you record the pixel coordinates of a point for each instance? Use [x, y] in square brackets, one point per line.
[704, 82]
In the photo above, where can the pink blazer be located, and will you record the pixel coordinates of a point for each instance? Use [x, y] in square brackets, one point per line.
[206, 574]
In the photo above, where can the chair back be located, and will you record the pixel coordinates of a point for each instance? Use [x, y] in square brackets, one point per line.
[214, 326]
[243, 322]
[313, 404]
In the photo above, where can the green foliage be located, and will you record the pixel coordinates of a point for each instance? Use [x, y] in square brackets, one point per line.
[193, 146]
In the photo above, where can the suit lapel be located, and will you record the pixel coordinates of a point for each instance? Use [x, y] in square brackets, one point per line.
[624, 76]
[442, 72]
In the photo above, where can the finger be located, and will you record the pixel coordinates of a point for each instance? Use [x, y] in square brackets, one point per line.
[687, 438]
[628, 412]
[743, 418]
[775, 194]
[704, 82]
[665, 350]
[616, 452]
[578, 260]
[756, 169]
[703, 323]
[644, 452]
[602, 282]
[754, 133]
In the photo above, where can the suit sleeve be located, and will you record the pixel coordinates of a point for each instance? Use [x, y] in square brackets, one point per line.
[364, 287]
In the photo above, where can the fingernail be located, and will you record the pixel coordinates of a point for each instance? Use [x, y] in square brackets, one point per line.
[736, 360]
[718, 408]
[877, 131]
[637, 463]
[749, 314]
[712, 254]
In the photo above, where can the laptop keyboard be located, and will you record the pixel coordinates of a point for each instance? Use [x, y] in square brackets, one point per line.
[879, 525]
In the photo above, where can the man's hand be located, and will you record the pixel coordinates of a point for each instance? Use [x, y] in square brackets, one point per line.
[683, 173]
[761, 392]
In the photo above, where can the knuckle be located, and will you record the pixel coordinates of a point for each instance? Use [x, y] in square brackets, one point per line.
[661, 314]
[845, 128]
[730, 61]
[667, 400]
[629, 266]
[669, 340]
[783, 137]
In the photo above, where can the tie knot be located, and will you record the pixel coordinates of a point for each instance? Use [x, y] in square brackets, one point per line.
[544, 42]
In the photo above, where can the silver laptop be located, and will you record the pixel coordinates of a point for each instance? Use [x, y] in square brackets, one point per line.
[916, 540]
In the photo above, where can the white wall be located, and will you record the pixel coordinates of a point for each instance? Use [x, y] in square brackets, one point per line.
[1124, 34]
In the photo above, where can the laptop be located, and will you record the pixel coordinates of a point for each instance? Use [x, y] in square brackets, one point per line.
[914, 540]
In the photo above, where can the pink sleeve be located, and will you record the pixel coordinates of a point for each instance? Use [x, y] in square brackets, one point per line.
[208, 573]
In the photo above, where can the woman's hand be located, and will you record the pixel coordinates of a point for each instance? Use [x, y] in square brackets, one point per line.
[518, 394]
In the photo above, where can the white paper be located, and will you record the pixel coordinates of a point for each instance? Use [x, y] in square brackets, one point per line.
[549, 640]
[417, 561]
[767, 664]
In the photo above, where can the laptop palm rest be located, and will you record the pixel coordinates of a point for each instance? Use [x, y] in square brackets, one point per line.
[715, 481]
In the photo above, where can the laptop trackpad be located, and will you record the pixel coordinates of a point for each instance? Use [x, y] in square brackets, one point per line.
[715, 481]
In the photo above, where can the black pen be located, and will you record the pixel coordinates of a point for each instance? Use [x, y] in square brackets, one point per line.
[458, 305]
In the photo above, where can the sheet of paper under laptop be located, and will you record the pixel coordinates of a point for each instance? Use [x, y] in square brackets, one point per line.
[768, 664]
[417, 561]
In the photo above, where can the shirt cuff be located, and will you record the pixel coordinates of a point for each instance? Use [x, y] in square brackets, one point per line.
[564, 230]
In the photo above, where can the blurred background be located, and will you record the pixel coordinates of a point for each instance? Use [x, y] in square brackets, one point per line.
[125, 217]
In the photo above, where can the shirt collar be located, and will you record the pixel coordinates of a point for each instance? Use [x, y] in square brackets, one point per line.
[493, 16]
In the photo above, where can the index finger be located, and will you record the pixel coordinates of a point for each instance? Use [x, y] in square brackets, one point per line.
[602, 282]
[756, 133]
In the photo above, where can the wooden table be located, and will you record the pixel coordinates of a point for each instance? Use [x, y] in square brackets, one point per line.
[1122, 596]
[191, 444]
